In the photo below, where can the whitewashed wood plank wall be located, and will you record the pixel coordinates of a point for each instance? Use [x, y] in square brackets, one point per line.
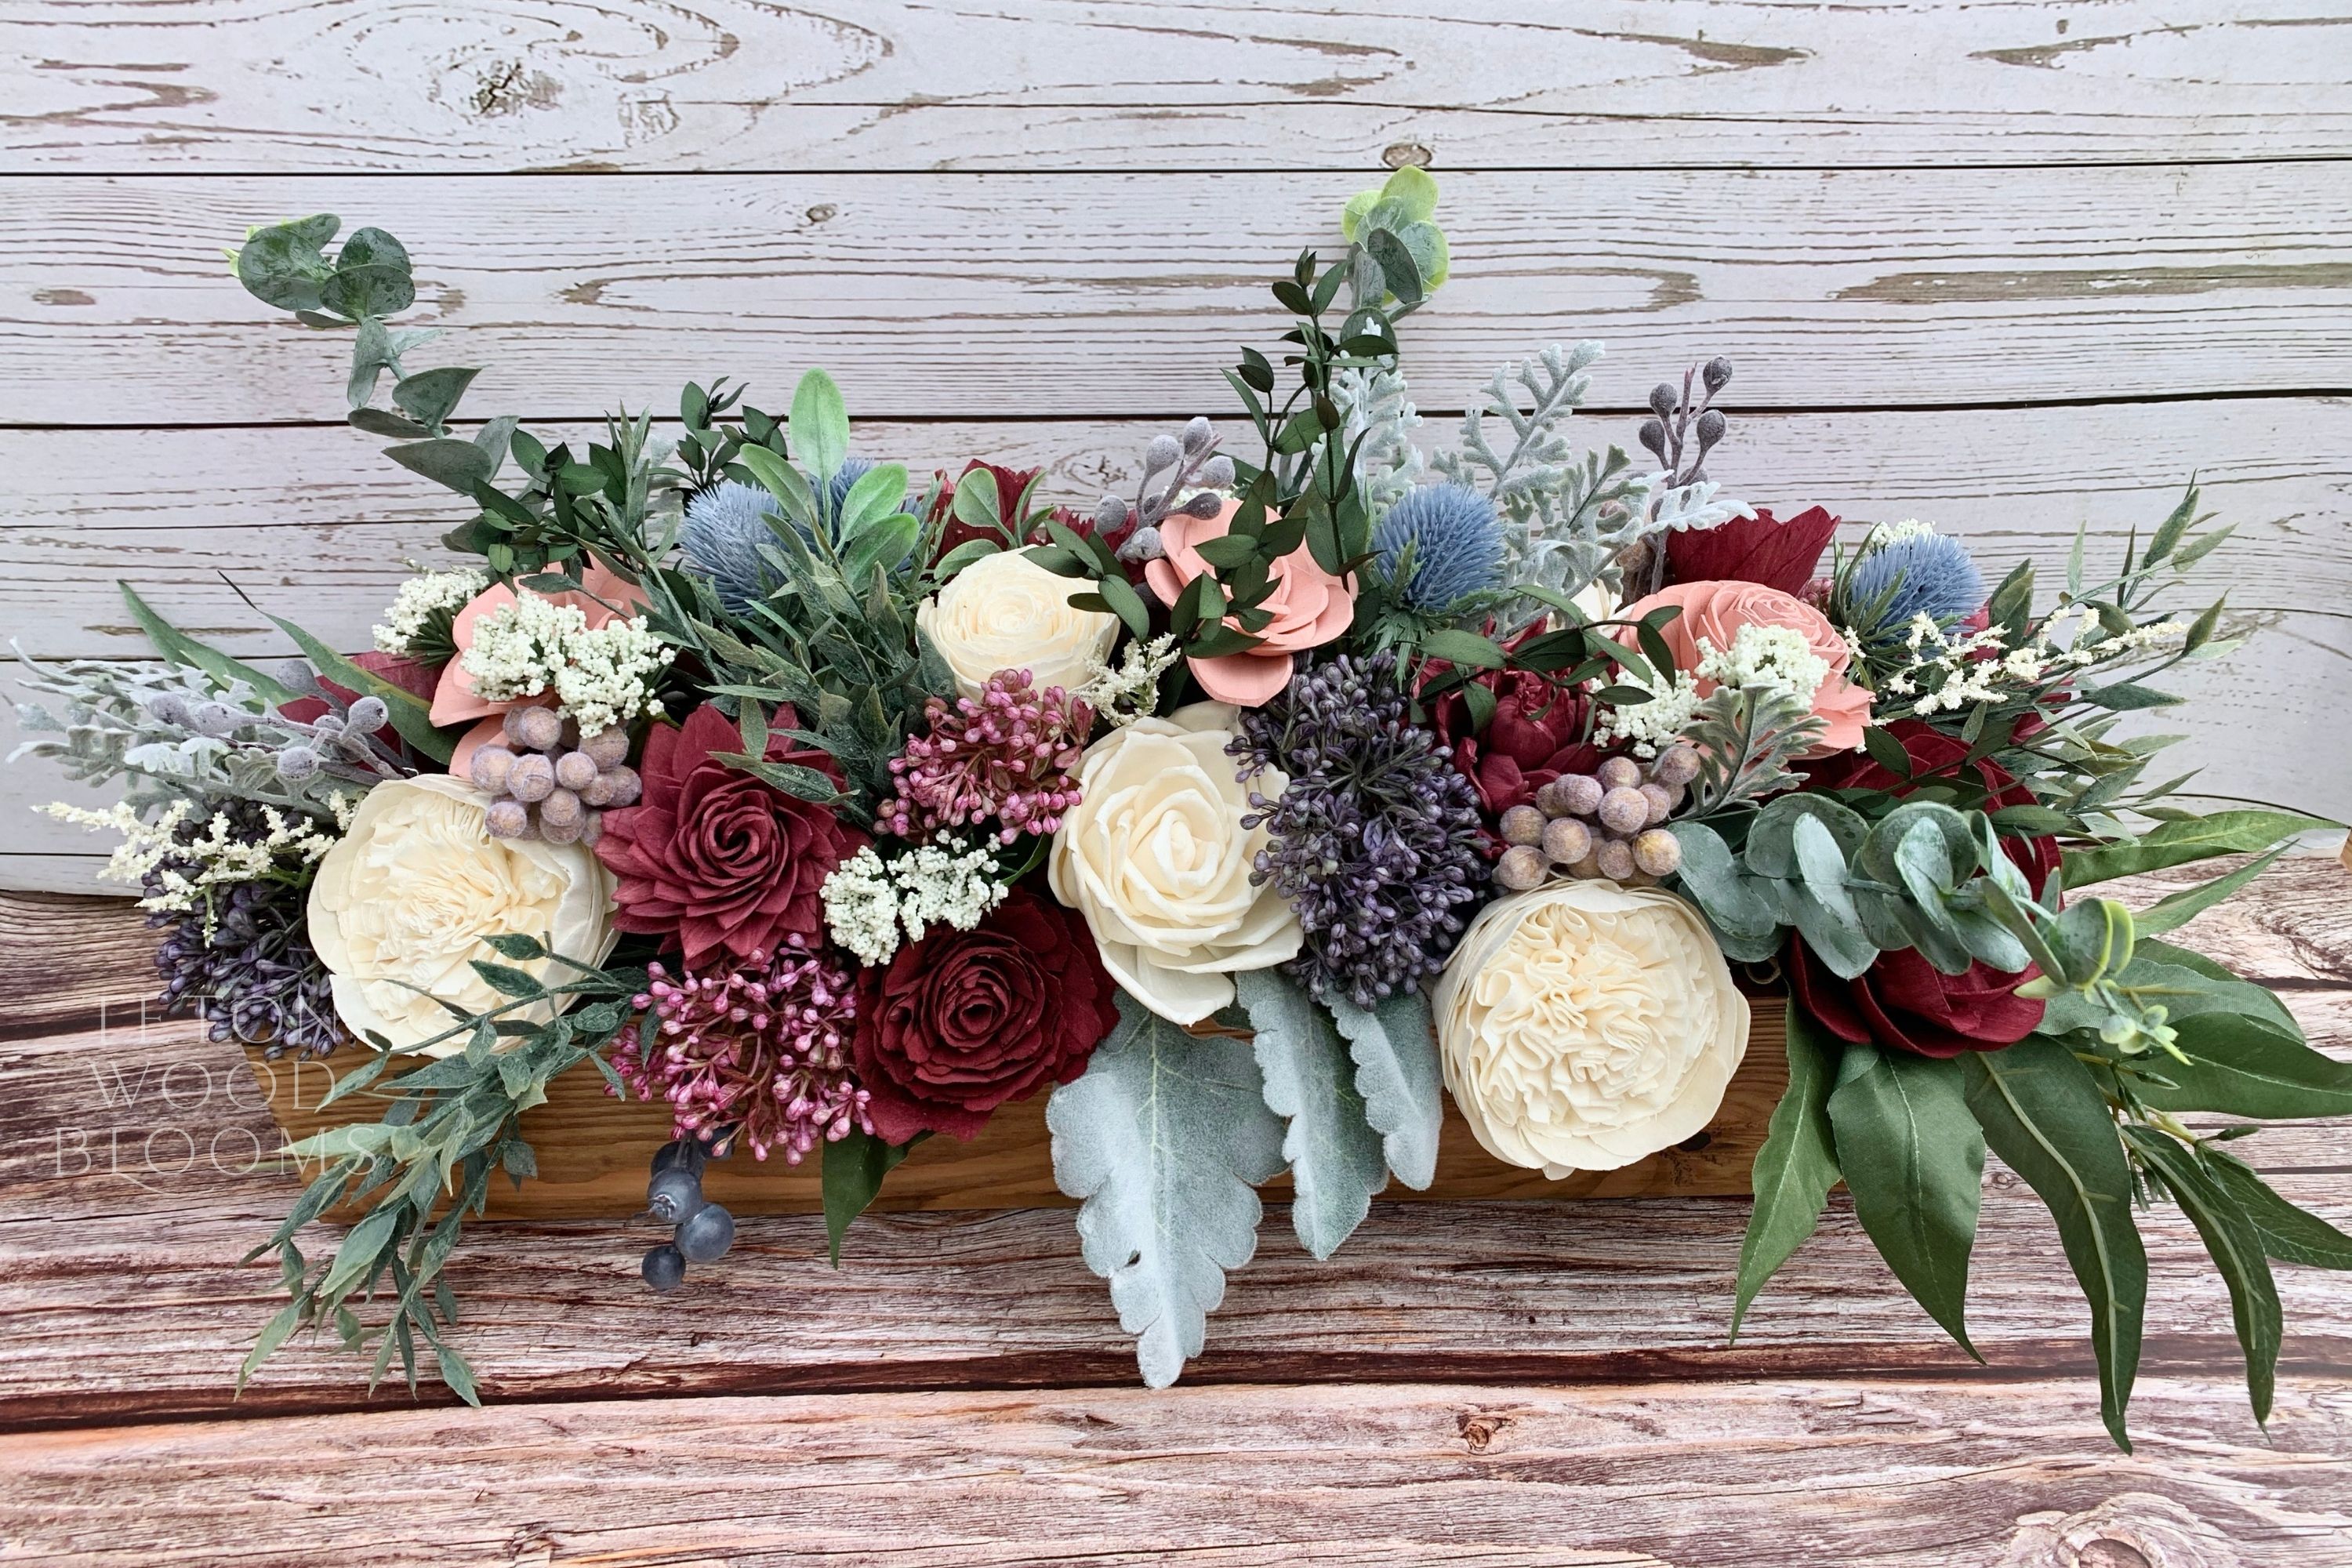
[2014, 268]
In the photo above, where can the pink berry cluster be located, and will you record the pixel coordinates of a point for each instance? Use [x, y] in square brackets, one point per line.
[760, 1052]
[1607, 823]
[549, 781]
[1007, 753]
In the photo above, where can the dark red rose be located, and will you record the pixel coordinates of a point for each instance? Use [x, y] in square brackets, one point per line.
[962, 1022]
[713, 859]
[1902, 1001]
[1760, 549]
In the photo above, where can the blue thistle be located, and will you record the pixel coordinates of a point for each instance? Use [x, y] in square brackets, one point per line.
[1895, 583]
[726, 528]
[1457, 544]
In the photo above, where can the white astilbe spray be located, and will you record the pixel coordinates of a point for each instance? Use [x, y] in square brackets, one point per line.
[600, 677]
[868, 901]
[1946, 671]
[1774, 663]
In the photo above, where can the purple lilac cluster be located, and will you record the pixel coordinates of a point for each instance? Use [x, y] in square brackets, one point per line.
[1007, 753]
[760, 1053]
[243, 961]
[1375, 839]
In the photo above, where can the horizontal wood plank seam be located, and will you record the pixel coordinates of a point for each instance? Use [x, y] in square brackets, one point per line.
[1059, 1372]
[1176, 416]
[1371, 170]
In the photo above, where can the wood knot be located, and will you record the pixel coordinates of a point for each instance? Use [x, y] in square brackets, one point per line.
[1397, 155]
[2131, 1530]
[1477, 1428]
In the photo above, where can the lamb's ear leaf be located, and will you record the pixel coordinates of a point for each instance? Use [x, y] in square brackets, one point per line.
[1797, 1166]
[2043, 1115]
[1394, 1046]
[819, 425]
[1163, 1141]
[1335, 1162]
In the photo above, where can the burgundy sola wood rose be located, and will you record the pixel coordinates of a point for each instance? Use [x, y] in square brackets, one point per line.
[713, 859]
[1776, 553]
[962, 1022]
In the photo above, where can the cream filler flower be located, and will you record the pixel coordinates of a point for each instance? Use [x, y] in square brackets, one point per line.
[1006, 611]
[1584, 1026]
[1157, 858]
[602, 676]
[401, 905]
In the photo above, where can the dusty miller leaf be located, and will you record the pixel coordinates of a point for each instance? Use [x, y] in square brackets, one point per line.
[1335, 1158]
[1394, 1047]
[1164, 1140]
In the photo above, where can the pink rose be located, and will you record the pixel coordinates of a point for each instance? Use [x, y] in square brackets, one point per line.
[1716, 610]
[1309, 607]
[454, 702]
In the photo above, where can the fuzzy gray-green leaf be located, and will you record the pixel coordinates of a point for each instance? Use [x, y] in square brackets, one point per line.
[1164, 1140]
[1336, 1163]
[1394, 1047]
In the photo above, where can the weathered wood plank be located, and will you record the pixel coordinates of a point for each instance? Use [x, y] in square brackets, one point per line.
[129, 1158]
[1767, 1474]
[942, 295]
[314, 523]
[202, 84]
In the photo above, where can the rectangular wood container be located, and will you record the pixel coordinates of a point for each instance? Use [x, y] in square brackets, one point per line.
[593, 1150]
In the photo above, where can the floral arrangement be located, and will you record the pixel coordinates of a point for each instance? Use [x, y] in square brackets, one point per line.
[1249, 816]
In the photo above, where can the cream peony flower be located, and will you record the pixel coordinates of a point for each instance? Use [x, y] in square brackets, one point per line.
[1155, 857]
[1584, 1024]
[1006, 611]
[401, 906]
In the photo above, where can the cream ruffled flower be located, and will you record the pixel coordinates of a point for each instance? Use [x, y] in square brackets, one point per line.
[1584, 1026]
[1156, 859]
[1006, 611]
[401, 905]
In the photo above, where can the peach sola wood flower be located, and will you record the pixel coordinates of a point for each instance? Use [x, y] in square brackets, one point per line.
[1309, 607]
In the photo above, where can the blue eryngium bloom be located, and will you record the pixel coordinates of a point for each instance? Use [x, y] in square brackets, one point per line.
[1923, 573]
[726, 527]
[1457, 544]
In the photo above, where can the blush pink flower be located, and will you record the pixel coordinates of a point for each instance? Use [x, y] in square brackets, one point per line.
[454, 700]
[1716, 610]
[1310, 605]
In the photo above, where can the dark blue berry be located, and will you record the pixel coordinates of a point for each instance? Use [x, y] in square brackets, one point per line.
[684, 1153]
[674, 1196]
[707, 1234]
[664, 1269]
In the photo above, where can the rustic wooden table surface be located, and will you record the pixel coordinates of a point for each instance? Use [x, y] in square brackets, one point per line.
[2015, 267]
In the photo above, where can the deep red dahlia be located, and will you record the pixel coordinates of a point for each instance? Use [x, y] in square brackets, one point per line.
[713, 859]
[962, 1022]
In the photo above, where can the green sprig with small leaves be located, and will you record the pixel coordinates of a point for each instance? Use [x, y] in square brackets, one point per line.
[453, 1124]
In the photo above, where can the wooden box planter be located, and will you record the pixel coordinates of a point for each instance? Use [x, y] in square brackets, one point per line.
[593, 1150]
